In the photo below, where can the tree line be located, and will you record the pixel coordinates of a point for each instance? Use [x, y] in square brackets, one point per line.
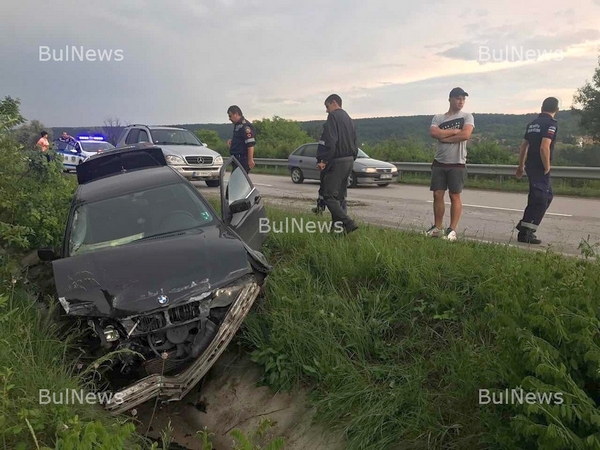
[495, 139]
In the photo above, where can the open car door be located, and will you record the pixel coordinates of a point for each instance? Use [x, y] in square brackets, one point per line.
[241, 205]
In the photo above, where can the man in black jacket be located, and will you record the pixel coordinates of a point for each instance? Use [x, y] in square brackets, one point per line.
[337, 151]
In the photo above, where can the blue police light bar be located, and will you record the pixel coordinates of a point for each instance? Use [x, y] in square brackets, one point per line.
[91, 138]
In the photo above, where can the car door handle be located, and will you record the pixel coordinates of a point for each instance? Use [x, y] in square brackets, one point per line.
[257, 199]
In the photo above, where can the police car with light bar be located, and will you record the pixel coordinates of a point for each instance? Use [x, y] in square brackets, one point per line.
[75, 151]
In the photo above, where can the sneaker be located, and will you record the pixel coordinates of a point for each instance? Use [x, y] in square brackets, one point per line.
[434, 232]
[450, 235]
[528, 237]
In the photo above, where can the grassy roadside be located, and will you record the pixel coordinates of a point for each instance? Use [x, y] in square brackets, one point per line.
[37, 379]
[395, 335]
[561, 186]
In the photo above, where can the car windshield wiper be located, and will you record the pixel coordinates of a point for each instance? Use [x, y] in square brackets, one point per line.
[167, 233]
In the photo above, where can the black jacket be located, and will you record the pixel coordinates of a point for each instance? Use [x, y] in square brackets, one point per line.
[338, 139]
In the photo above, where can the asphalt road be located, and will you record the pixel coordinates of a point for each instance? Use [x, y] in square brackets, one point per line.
[487, 215]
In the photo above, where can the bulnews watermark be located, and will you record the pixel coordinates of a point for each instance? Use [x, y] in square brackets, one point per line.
[514, 53]
[295, 225]
[79, 53]
[78, 397]
[519, 396]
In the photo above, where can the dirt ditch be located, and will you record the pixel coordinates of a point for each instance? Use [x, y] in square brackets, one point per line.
[231, 397]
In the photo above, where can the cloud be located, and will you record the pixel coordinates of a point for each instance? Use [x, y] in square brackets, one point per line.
[512, 89]
[512, 45]
[188, 63]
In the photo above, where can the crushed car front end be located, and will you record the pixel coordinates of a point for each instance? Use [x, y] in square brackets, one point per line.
[165, 308]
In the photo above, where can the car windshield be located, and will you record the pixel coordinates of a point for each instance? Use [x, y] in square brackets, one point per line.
[362, 154]
[174, 137]
[94, 146]
[135, 216]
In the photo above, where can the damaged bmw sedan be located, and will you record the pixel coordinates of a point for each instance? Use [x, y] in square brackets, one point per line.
[150, 270]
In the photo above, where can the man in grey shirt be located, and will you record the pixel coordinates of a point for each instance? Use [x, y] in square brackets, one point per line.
[452, 130]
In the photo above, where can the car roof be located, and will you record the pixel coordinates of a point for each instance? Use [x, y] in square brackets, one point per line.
[156, 127]
[132, 181]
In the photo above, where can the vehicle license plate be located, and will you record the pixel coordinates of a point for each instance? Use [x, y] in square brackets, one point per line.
[201, 174]
[386, 175]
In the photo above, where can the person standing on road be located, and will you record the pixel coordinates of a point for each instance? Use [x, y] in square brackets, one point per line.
[337, 151]
[241, 145]
[452, 130]
[537, 148]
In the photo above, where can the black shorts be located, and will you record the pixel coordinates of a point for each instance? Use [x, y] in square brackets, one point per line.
[448, 178]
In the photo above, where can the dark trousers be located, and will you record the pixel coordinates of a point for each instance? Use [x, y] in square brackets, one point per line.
[321, 199]
[539, 200]
[334, 186]
[243, 159]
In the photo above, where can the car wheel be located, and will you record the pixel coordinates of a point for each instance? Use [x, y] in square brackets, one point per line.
[297, 175]
[213, 183]
[352, 183]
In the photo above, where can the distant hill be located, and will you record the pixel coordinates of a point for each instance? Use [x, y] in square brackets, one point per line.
[506, 128]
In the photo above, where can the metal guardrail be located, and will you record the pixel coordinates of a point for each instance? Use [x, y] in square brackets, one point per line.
[584, 173]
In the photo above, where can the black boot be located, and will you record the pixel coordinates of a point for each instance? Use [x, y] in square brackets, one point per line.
[528, 236]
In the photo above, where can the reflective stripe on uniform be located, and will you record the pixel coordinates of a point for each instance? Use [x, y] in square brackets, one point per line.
[322, 142]
[247, 141]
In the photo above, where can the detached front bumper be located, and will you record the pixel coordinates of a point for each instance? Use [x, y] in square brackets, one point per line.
[174, 388]
[199, 173]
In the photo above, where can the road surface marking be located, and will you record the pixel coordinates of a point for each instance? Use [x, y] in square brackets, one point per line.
[505, 209]
[260, 184]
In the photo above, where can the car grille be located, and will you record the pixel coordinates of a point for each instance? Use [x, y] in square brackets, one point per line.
[151, 323]
[177, 315]
[206, 160]
[184, 313]
[384, 170]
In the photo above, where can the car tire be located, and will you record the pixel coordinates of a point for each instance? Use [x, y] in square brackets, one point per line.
[297, 175]
[352, 183]
[213, 183]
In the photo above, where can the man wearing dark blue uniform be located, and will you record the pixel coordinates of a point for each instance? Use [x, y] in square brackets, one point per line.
[535, 158]
[243, 141]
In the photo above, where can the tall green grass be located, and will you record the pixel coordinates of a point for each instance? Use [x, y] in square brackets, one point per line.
[395, 334]
[34, 357]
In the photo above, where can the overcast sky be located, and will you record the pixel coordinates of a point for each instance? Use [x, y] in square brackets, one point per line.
[187, 61]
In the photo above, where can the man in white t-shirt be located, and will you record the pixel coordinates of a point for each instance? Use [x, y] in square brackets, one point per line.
[452, 130]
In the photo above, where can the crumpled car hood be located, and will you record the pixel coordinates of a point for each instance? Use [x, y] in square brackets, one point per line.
[126, 280]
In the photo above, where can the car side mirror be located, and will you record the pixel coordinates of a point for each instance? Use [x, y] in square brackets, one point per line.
[46, 254]
[240, 205]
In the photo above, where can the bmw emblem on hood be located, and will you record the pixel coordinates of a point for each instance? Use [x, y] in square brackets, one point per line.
[162, 300]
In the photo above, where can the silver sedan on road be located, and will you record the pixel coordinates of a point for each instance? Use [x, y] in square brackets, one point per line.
[302, 164]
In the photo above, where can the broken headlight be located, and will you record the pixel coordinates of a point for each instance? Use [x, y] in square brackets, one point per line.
[225, 295]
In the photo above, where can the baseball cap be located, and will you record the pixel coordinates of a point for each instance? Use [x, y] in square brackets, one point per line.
[458, 92]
